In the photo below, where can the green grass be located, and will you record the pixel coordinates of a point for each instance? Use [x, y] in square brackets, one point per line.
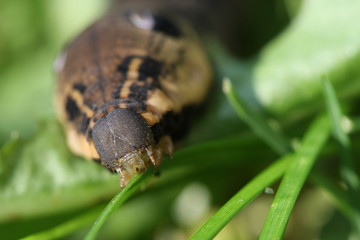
[294, 179]
[241, 199]
[256, 122]
[296, 171]
[116, 202]
[347, 167]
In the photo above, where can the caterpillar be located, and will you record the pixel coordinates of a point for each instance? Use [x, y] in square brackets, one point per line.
[125, 84]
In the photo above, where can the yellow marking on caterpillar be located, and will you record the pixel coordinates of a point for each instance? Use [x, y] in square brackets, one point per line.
[133, 72]
[78, 98]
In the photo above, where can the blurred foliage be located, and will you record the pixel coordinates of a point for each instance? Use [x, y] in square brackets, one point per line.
[31, 35]
[277, 72]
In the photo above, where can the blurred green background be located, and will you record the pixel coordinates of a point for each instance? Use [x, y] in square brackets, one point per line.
[31, 35]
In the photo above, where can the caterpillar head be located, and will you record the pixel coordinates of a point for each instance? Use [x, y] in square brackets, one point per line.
[124, 142]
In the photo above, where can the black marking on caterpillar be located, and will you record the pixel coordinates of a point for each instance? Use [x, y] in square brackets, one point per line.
[84, 123]
[80, 87]
[166, 26]
[124, 66]
[174, 124]
[155, 22]
[72, 109]
[150, 68]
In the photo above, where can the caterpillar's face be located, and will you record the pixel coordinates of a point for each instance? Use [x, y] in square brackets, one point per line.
[122, 138]
[123, 86]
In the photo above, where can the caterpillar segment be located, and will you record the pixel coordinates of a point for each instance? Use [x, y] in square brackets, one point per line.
[124, 85]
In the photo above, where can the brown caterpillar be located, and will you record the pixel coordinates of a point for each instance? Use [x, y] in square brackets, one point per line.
[123, 85]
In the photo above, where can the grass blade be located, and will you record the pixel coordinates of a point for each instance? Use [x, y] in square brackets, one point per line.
[276, 141]
[348, 174]
[294, 179]
[118, 200]
[218, 221]
[66, 228]
[333, 107]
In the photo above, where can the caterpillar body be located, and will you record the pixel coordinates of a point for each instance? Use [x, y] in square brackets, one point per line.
[124, 85]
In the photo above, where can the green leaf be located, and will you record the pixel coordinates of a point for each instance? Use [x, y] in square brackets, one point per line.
[40, 176]
[294, 179]
[66, 228]
[284, 79]
[293, 7]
